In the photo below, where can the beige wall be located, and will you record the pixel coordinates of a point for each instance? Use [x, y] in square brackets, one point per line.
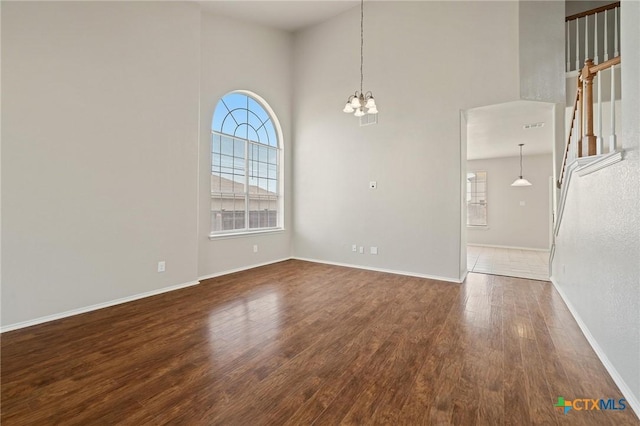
[509, 223]
[242, 56]
[423, 67]
[106, 111]
[99, 152]
[541, 42]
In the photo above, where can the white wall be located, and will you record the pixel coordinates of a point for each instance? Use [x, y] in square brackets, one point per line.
[107, 110]
[541, 46]
[510, 224]
[424, 65]
[237, 55]
[597, 259]
[99, 140]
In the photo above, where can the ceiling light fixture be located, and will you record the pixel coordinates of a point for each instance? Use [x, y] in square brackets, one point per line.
[357, 102]
[521, 181]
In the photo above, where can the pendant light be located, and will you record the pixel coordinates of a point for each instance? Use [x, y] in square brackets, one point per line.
[521, 181]
[359, 101]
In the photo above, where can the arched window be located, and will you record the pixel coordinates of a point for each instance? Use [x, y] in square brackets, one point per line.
[245, 166]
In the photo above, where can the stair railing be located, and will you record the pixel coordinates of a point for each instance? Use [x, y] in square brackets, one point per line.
[582, 141]
[592, 33]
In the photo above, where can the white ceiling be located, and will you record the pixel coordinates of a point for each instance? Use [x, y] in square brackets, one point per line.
[495, 131]
[284, 15]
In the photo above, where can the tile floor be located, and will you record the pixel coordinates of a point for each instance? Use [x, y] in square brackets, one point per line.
[519, 263]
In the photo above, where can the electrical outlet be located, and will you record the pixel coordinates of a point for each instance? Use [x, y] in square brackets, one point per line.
[373, 184]
[162, 266]
[354, 248]
[255, 248]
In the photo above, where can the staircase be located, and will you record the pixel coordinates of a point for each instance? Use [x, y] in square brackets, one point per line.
[592, 118]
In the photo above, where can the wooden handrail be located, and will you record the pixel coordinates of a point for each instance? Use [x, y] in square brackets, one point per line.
[592, 11]
[566, 150]
[604, 65]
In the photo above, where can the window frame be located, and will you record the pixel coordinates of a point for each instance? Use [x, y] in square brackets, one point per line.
[251, 161]
[471, 193]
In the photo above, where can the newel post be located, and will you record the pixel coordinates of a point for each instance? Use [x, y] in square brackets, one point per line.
[587, 77]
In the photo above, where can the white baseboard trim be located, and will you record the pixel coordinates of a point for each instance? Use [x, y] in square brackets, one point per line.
[552, 254]
[600, 162]
[388, 271]
[242, 268]
[509, 247]
[95, 307]
[634, 403]
[464, 275]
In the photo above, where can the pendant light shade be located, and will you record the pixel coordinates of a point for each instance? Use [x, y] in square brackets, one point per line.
[521, 181]
[348, 108]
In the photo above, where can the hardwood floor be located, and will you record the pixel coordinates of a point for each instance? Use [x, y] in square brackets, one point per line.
[298, 343]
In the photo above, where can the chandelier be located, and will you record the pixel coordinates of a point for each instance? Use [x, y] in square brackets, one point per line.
[359, 101]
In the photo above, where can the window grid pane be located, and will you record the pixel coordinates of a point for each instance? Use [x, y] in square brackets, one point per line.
[244, 166]
[263, 212]
[477, 199]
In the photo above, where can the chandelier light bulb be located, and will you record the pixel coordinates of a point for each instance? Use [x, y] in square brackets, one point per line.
[371, 103]
[372, 110]
[359, 112]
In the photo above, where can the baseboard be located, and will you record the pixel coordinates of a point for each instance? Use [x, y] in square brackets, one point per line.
[95, 307]
[508, 247]
[242, 268]
[599, 163]
[619, 381]
[552, 254]
[388, 271]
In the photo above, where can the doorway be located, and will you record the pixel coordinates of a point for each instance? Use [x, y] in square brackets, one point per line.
[506, 228]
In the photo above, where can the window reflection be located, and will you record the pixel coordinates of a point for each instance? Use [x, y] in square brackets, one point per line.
[245, 323]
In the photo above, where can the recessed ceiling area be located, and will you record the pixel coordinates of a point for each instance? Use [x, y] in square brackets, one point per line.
[284, 15]
[495, 131]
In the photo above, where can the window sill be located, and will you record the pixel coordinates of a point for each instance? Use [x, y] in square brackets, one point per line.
[243, 234]
[479, 227]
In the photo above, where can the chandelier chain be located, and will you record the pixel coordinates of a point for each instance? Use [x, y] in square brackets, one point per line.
[361, 103]
[361, 44]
